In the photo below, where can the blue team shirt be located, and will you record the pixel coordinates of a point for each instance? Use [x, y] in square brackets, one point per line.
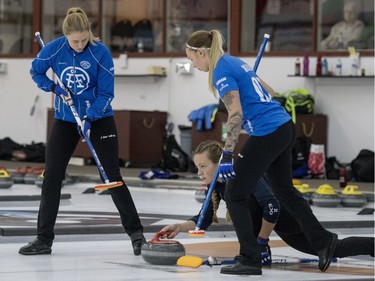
[88, 74]
[261, 114]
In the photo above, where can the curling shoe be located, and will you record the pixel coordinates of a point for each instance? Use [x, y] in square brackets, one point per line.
[240, 269]
[138, 240]
[35, 247]
[326, 254]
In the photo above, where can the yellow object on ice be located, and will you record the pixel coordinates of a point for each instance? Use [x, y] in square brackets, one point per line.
[325, 189]
[190, 261]
[351, 190]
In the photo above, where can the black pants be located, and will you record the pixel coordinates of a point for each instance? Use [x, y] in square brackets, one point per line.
[291, 233]
[61, 144]
[269, 154]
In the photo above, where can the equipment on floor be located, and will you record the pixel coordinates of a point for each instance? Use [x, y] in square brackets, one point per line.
[326, 196]
[40, 178]
[351, 197]
[6, 180]
[306, 191]
[162, 251]
[68, 100]
[32, 174]
[195, 262]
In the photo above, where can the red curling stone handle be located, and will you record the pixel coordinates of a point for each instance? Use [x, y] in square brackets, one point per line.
[156, 238]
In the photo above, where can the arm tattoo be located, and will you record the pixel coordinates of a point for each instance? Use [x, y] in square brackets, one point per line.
[234, 123]
[234, 126]
[228, 99]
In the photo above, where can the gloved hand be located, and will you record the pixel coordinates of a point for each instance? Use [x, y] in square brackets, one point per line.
[265, 250]
[226, 166]
[86, 123]
[59, 91]
[85, 131]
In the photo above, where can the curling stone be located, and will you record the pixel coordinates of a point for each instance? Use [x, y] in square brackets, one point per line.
[6, 180]
[39, 180]
[305, 190]
[32, 174]
[19, 175]
[200, 195]
[351, 197]
[162, 251]
[296, 182]
[326, 196]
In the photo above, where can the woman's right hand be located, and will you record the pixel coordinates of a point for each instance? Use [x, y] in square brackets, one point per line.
[171, 231]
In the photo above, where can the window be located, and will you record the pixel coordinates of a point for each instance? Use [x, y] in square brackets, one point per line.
[16, 27]
[289, 24]
[185, 17]
[133, 26]
[155, 28]
[343, 24]
[54, 12]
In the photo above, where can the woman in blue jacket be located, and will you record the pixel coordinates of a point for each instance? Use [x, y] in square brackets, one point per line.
[85, 67]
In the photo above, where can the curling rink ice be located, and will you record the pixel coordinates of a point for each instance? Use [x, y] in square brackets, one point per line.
[91, 245]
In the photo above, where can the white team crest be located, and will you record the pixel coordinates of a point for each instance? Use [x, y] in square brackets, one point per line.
[76, 79]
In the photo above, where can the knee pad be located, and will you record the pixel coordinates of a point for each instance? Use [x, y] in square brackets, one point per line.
[271, 211]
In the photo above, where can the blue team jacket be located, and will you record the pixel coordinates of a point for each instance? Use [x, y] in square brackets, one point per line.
[88, 74]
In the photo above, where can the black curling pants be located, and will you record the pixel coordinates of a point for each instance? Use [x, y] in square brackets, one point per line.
[61, 144]
[269, 154]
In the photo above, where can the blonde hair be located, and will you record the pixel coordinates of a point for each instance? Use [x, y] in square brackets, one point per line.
[76, 20]
[214, 150]
[213, 42]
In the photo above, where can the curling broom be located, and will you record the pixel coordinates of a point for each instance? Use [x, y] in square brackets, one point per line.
[195, 262]
[197, 232]
[68, 100]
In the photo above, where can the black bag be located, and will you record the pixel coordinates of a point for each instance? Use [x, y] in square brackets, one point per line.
[363, 166]
[332, 167]
[10, 150]
[173, 157]
[300, 152]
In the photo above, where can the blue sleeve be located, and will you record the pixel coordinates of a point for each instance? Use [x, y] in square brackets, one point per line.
[39, 67]
[105, 87]
[224, 80]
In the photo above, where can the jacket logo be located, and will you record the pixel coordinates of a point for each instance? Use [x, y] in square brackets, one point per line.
[76, 79]
[85, 64]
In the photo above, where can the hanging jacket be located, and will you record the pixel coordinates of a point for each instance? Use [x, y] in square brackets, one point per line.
[204, 116]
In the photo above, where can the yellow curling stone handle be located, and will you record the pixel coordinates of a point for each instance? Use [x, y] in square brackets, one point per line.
[325, 189]
[351, 190]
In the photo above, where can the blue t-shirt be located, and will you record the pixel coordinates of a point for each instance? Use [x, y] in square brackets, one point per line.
[261, 114]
